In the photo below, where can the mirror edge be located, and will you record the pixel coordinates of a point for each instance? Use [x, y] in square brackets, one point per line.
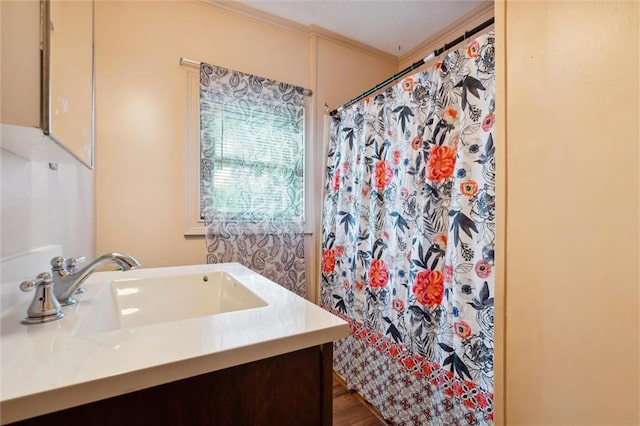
[45, 53]
[45, 80]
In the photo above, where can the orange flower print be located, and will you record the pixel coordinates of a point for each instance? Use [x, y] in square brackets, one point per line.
[336, 180]
[383, 175]
[397, 305]
[429, 288]
[365, 191]
[407, 84]
[359, 285]
[441, 240]
[462, 329]
[469, 188]
[416, 143]
[450, 115]
[473, 49]
[346, 284]
[339, 250]
[483, 269]
[488, 121]
[328, 261]
[441, 163]
[378, 274]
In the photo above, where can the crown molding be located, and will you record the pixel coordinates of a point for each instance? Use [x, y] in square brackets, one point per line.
[453, 30]
[324, 33]
[259, 15]
[310, 30]
[479, 14]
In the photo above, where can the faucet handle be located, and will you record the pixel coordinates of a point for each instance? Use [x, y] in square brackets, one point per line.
[72, 263]
[43, 278]
[44, 307]
[57, 263]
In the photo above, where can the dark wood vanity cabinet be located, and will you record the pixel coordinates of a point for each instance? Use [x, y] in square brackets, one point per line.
[290, 389]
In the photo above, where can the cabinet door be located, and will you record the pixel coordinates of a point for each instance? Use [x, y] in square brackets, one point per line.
[289, 389]
[20, 70]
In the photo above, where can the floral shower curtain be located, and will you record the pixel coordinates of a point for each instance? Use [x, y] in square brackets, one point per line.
[408, 242]
[252, 173]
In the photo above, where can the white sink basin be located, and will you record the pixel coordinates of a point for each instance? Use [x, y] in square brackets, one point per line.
[136, 302]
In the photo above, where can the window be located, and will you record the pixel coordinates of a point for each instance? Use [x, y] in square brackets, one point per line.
[253, 162]
[249, 150]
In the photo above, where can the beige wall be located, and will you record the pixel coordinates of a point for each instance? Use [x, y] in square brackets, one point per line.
[141, 100]
[140, 113]
[572, 213]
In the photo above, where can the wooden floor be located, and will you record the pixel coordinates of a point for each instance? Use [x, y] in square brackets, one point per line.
[350, 409]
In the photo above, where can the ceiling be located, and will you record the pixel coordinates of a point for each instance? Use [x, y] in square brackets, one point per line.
[394, 26]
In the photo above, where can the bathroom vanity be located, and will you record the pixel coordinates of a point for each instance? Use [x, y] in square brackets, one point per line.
[289, 389]
[183, 345]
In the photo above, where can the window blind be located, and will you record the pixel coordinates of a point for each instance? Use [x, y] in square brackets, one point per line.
[252, 155]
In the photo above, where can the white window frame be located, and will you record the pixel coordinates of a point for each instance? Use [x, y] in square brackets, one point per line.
[194, 224]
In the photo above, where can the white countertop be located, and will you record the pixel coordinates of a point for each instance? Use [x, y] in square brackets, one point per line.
[49, 367]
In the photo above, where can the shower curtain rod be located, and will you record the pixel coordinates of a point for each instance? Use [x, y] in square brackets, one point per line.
[415, 65]
[191, 63]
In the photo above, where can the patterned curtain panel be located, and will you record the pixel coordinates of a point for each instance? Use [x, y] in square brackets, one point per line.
[408, 242]
[252, 173]
[273, 249]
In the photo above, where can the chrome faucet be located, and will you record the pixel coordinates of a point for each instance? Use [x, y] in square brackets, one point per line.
[68, 278]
